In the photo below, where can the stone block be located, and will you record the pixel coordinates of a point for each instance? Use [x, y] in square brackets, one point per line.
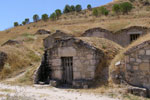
[128, 67]
[135, 68]
[137, 91]
[56, 62]
[89, 56]
[132, 59]
[144, 66]
[92, 62]
[142, 52]
[85, 86]
[146, 60]
[66, 52]
[53, 83]
[77, 75]
[147, 52]
[138, 60]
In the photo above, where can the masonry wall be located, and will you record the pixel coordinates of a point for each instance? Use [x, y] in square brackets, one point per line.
[137, 68]
[123, 37]
[100, 34]
[52, 39]
[85, 60]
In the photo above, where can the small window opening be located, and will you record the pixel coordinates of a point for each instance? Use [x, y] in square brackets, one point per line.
[134, 37]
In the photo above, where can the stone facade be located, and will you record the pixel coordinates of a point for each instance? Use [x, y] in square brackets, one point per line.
[99, 32]
[85, 61]
[123, 37]
[135, 67]
[138, 64]
[54, 38]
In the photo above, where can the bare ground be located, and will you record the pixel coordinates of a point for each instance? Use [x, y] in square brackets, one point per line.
[37, 92]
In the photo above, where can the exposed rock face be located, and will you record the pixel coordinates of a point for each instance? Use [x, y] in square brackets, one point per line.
[11, 42]
[3, 58]
[42, 32]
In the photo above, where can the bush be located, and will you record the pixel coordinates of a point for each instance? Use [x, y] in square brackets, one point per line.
[78, 8]
[126, 7]
[27, 21]
[36, 18]
[23, 23]
[16, 24]
[67, 9]
[89, 7]
[53, 16]
[73, 8]
[95, 12]
[57, 13]
[103, 11]
[44, 17]
[116, 8]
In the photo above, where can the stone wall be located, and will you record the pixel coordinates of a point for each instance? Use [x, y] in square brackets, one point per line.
[54, 38]
[123, 37]
[138, 68]
[85, 61]
[98, 32]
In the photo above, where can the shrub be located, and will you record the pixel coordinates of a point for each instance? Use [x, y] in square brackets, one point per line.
[67, 9]
[57, 13]
[44, 17]
[23, 23]
[89, 7]
[78, 8]
[126, 7]
[53, 16]
[16, 24]
[103, 11]
[27, 21]
[36, 18]
[73, 8]
[95, 12]
[116, 8]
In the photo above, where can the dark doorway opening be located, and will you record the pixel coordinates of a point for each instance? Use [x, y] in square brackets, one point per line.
[67, 64]
[134, 37]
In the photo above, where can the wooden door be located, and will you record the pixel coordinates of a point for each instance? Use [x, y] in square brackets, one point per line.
[67, 64]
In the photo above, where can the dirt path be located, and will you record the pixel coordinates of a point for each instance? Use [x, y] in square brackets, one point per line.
[46, 93]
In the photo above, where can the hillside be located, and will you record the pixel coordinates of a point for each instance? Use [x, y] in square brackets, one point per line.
[25, 58]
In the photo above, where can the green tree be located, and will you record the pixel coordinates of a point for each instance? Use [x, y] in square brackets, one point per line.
[116, 8]
[44, 17]
[126, 7]
[67, 9]
[57, 13]
[103, 11]
[27, 21]
[78, 8]
[95, 12]
[73, 8]
[23, 23]
[16, 24]
[53, 16]
[89, 7]
[36, 18]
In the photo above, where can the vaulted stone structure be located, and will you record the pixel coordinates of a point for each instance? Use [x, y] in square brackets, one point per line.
[99, 32]
[126, 36]
[54, 38]
[76, 61]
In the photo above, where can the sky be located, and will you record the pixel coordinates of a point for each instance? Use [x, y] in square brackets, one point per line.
[17, 10]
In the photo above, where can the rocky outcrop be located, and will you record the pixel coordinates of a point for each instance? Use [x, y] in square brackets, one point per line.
[42, 32]
[3, 58]
[11, 42]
